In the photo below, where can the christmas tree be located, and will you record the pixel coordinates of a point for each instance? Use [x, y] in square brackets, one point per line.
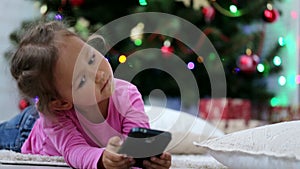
[235, 29]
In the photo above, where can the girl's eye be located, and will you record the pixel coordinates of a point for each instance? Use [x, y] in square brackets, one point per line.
[92, 59]
[82, 81]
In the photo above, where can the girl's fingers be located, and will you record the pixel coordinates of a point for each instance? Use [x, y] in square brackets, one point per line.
[113, 160]
[113, 156]
[126, 163]
[164, 161]
[166, 156]
[161, 162]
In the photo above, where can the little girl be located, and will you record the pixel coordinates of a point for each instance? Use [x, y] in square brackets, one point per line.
[82, 107]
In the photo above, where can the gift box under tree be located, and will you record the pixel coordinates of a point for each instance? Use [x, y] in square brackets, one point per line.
[225, 109]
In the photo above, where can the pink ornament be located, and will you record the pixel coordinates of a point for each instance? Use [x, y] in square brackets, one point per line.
[208, 13]
[248, 63]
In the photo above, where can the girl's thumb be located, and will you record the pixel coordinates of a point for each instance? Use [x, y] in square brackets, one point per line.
[114, 144]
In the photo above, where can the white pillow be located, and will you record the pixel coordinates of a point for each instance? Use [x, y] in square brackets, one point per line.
[234, 125]
[185, 129]
[271, 146]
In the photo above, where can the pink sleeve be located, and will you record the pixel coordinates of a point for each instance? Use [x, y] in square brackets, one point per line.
[135, 115]
[70, 143]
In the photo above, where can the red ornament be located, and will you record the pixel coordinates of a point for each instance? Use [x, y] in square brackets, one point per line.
[23, 104]
[248, 63]
[167, 50]
[63, 2]
[76, 2]
[208, 13]
[270, 15]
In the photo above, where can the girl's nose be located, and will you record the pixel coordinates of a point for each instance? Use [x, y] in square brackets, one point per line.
[99, 77]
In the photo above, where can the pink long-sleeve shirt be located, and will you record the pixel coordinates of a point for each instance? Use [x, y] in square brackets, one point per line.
[82, 142]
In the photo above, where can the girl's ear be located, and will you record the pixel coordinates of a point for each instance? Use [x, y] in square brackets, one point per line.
[60, 105]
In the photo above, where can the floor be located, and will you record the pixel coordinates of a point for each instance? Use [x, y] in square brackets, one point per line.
[30, 167]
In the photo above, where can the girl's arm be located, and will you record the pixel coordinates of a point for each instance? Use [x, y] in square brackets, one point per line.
[135, 115]
[70, 143]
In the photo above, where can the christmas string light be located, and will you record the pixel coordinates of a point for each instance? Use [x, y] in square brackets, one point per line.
[282, 80]
[281, 41]
[43, 9]
[274, 101]
[58, 17]
[200, 59]
[143, 2]
[233, 10]
[225, 12]
[138, 42]
[294, 14]
[136, 32]
[260, 68]
[122, 59]
[191, 65]
[277, 61]
[298, 79]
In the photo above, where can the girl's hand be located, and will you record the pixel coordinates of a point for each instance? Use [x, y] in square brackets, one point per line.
[111, 160]
[163, 162]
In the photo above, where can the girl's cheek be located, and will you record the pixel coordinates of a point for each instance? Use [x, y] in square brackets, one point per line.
[85, 96]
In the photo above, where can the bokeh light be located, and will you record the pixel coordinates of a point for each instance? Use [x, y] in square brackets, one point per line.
[274, 101]
[200, 59]
[282, 80]
[143, 2]
[233, 9]
[294, 14]
[298, 79]
[277, 61]
[122, 59]
[191, 65]
[58, 17]
[281, 41]
[260, 68]
[43, 9]
[138, 42]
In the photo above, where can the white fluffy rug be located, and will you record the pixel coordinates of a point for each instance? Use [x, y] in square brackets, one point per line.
[195, 161]
[10, 157]
[178, 161]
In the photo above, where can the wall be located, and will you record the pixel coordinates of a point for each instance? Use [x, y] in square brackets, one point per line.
[288, 27]
[13, 12]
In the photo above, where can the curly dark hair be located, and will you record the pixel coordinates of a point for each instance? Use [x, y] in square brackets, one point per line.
[33, 62]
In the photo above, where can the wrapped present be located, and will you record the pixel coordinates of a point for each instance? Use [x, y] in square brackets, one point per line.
[240, 109]
[225, 109]
[295, 113]
[279, 114]
[212, 109]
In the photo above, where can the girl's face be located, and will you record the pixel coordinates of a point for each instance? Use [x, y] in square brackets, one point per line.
[83, 75]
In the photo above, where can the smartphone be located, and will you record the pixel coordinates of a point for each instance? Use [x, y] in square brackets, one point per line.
[143, 143]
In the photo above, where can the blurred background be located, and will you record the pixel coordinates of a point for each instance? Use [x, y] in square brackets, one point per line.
[257, 42]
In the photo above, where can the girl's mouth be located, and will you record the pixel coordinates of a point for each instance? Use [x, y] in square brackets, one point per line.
[105, 84]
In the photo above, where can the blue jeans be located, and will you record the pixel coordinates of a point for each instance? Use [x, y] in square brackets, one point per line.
[14, 132]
